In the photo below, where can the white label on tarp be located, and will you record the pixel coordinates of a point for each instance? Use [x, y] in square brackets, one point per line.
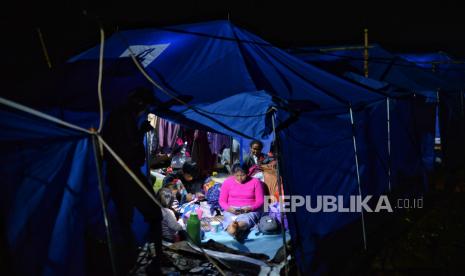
[146, 54]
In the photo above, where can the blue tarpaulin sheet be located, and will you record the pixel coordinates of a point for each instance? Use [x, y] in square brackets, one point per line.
[50, 198]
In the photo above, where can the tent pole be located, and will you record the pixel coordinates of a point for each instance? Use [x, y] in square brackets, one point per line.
[389, 140]
[98, 163]
[231, 153]
[358, 175]
[44, 48]
[438, 121]
[365, 55]
[278, 179]
[462, 95]
[147, 156]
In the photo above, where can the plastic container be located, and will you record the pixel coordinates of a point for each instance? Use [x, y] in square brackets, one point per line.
[215, 226]
[199, 212]
[193, 228]
[159, 180]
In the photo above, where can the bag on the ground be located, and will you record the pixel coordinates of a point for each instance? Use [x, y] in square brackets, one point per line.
[268, 225]
[273, 211]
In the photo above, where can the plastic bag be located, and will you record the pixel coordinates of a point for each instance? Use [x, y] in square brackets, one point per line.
[179, 159]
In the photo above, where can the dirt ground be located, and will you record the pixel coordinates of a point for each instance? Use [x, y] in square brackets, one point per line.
[426, 241]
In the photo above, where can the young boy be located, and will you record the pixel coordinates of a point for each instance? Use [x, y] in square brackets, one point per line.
[187, 182]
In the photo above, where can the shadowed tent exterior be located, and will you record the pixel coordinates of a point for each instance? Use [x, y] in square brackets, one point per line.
[442, 65]
[451, 104]
[233, 80]
[407, 77]
[382, 66]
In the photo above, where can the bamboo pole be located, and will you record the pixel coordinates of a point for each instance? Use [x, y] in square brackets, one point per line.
[44, 48]
[104, 204]
[343, 48]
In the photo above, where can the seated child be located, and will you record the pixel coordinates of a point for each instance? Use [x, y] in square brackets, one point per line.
[170, 226]
[176, 192]
[188, 182]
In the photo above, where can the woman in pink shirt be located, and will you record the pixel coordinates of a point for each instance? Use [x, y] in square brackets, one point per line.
[241, 198]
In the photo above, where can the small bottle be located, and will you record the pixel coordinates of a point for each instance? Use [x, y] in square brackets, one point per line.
[183, 149]
[193, 228]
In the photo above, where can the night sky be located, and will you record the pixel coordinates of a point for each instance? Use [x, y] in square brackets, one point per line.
[72, 27]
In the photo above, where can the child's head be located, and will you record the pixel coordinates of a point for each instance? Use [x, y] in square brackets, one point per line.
[166, 197]
[175, 190]
[172, 187]
[256, 147]
[190, 171]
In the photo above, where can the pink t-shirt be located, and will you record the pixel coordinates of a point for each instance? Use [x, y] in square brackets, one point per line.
[236, 194]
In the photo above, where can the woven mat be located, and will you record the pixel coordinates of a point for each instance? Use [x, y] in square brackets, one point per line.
[205, 222]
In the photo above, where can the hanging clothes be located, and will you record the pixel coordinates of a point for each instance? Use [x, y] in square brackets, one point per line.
[167, 134]
[226, 155]
[218, 142]
[187, 135]
[201, 153]
[271, 180]
[152, 136]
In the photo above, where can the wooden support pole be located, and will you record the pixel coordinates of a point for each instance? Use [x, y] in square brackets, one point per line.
[44, 49]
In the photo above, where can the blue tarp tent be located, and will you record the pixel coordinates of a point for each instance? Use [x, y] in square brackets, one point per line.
[45, 187]
[442, 65]
[452, 110]
[382, 65]
[404, 75]
[233, 78]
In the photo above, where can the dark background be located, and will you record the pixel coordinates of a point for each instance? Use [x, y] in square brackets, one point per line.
[71, 27]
